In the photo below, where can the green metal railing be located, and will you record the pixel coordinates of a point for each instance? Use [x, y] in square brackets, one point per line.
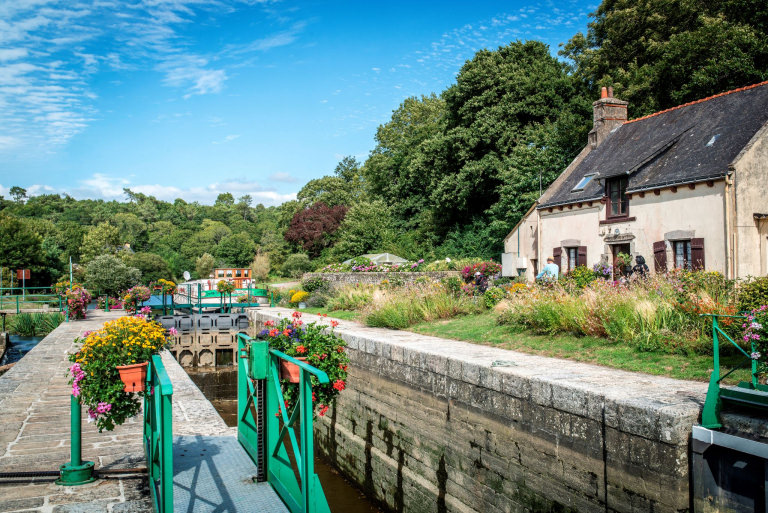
[710, 415]
[28, 298]
[158, 435]
[265, 432]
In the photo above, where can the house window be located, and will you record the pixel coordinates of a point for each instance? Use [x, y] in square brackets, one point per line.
[238, 273]
[583, 182]
[229, 273]
[246, 273]
[221, 274]
[618, 204]
[572, 259]
[682, 249]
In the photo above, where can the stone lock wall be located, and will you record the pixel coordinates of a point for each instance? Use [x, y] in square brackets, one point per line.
[341, 279]
[434, 425]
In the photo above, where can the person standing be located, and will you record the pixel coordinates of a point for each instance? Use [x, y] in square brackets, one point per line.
[640, 270]
[550, 271]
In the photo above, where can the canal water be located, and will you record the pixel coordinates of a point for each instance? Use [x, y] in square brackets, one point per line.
[17, 347]
[219, 386]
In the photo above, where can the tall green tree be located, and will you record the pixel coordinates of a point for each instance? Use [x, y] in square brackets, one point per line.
[102, 239]
[662, 53]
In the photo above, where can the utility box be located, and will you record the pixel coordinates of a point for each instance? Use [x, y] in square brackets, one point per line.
[258, 359]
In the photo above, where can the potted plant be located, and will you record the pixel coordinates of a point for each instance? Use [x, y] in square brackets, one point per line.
[624, 263]
[298, 297]
[134, 297]
[77, 300]
[96, 375]
[225, 287]
[319, 345]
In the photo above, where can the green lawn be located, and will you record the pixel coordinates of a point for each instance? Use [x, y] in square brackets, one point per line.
[482, 329]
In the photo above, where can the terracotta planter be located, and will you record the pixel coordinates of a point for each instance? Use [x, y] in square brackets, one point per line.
[134, 376]
[291, 371]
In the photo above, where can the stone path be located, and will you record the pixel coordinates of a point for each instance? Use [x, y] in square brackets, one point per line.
[34, 435]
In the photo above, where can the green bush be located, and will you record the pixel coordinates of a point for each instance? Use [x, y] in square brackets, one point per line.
[312, 284]
[296, 265]
[350, 298]
[582, 276]
[493, 296]
[34, 324]
[452, 284]
[753, 294]
[405, 307]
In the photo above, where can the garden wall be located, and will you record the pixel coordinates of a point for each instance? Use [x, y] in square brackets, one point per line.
[435, 425]
[341, 279]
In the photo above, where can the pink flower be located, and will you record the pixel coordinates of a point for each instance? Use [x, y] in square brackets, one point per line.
[173, 332]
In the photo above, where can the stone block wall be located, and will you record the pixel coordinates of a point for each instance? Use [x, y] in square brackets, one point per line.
[434, 425]
[341, 279]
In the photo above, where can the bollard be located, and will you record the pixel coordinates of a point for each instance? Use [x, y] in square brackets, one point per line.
[76, 472]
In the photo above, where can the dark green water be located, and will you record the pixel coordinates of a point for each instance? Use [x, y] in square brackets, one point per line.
[220, 387]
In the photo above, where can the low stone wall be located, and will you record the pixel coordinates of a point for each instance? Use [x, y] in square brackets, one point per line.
[434, 425]
[341, 279]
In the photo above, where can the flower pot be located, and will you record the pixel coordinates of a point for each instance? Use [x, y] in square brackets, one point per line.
[134, 376]
[302, 305]
[290, 371]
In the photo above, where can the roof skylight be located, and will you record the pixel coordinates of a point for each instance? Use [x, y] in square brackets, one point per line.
[583, 182]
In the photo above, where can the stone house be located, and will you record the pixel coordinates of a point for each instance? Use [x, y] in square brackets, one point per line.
[686, 187]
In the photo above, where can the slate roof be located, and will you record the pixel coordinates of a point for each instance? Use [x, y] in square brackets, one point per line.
[690, 143]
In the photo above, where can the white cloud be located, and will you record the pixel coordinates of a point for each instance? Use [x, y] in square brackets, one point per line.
[110, 188]
[282, 177]
[227, 139]
[51, 51]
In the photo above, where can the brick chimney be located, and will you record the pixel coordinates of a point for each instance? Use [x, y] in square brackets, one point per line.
[608, 113]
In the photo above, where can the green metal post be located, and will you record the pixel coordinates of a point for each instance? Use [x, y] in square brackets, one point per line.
[199, 298]
[106, 304]
[710, 414]
[271, 299]
[76, 472]
[307, 447]
[715, 348]
[60, 305]
[754, 368]
[165, 310]
[17, 304]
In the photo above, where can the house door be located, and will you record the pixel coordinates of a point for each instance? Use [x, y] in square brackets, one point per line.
[615, 250]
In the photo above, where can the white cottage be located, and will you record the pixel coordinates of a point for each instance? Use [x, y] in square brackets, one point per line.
[685, 187]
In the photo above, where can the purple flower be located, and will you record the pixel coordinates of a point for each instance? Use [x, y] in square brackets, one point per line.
[755, 355]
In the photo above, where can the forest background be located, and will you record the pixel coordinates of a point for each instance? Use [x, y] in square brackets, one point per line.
[450, 173]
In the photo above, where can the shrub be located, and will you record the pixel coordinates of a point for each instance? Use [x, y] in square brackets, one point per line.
[452, 284]
[296, 265]
[299, 297]
[260, 267]
[582, 276]
[77, 299]
[753, 294]
[312, 284]
[492, 296]
[109, 275]
[34, 324]
[402, 308]
[486, 270]
[134, 297]
[351, 297]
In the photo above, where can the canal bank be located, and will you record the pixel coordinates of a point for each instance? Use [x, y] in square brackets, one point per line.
[428, 424]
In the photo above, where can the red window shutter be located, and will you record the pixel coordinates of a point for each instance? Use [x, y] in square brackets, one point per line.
[660, 256]
[557, 254]
[697, 254]
[581, 256]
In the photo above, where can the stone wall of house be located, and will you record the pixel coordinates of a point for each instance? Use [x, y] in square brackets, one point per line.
[341, 279]
[435, 425]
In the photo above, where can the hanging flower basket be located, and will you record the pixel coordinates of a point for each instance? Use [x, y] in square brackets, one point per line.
[290, 371]
[133, 376]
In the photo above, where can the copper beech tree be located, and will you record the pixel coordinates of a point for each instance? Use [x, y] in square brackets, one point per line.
[312, 228]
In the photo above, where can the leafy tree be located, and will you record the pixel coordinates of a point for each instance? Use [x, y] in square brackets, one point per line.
[18, 194]
[20, 246]
[152, 266]
[204, 265]
[99, 240]
[131, 229]
[236, 250]
[366, 228]
[296, 265]
[260, 267]
[662, 53]
[109, 275]
[225, 199]
[313, 227]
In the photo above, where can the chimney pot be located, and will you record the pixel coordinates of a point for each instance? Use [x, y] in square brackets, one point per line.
[610, 92]
[604, 92]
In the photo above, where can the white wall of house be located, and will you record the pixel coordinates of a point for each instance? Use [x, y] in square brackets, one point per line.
[668, 216]
[520, 248]
[751, 181]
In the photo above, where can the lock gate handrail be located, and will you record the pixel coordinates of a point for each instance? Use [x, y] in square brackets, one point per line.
[158, 435]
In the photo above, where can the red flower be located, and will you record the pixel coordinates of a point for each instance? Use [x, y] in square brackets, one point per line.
[334, 324]
[273, 332]
[322, 410]
[339, 349]
[339, 385]
[323, 356]
[296, 315]
[301, 349]
[287, 332]
[343, 367]
[269, 323]
[314, 397]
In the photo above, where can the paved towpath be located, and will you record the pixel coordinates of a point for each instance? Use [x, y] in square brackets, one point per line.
[34, 435]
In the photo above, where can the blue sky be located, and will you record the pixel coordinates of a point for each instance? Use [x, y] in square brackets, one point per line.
[190, 98]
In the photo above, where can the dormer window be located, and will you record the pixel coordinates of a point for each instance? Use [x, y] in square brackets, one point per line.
[583, 182]
[616, 190]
